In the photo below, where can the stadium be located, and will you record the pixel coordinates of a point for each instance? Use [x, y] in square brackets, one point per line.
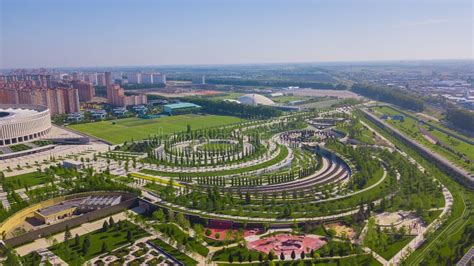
[22, 123]
[255, 99]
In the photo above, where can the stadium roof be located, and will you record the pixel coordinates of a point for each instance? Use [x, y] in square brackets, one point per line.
[181, 105]
[255, 99]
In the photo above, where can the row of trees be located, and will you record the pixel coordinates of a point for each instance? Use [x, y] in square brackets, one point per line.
[235, 109]
[278, 83]
[460, 118]
[394, 96]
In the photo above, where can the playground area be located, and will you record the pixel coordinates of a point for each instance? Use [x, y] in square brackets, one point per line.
[413, 224]
[286, 244]
[341, 230]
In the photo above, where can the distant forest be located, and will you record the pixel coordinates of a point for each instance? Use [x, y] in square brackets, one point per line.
[460, 118]
[394, 96]
[278, 83]
[229, 108]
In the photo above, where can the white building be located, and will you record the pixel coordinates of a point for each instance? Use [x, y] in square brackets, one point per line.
[101, 79]
[158, 78]
[147, 78]
[134, 78]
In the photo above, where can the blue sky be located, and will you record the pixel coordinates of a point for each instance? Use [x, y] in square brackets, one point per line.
[54, 33]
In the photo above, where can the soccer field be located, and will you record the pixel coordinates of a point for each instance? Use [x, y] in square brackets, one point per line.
[118, 131]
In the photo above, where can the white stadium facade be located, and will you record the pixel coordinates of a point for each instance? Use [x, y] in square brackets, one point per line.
[23, 123]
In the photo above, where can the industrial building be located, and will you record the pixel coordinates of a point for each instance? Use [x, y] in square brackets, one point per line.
[180, 107]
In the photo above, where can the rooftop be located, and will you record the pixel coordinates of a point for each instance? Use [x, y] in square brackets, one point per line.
[181, 105]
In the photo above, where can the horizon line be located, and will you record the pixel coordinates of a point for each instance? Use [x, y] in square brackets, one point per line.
[249, 64]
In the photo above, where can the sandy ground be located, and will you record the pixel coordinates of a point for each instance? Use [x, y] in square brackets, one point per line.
[340, 229]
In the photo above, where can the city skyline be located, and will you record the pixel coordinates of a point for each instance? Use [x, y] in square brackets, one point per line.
[95, 33]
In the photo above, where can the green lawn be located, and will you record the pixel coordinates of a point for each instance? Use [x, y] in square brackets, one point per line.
[393, 247]
[113, 238]
[235, 252]
[364, 259]
[29, 179]
[121, 130]
[180, 236]
[410, 128]
[175, 253]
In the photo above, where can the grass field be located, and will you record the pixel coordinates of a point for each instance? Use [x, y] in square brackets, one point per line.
[452, 230]
[119, 131]
[392, 248]
[29, 179]
[69, 252]
[410, 127]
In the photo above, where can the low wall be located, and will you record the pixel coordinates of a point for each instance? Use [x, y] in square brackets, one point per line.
[129, 201]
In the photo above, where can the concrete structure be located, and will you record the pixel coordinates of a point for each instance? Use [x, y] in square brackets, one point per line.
[98, 114]
[147, 78]
[255, 99]
[72, 164]
[467, 259]
[158, 78]
[85, 90]
[23, 123]
[101, 79]
[92, 78]
[57, 212]
[120, 111]
[68, 208]
[116, 96]
[199, 80]
[76, 117]
[170, 108]
[134, 78]
[108, 79]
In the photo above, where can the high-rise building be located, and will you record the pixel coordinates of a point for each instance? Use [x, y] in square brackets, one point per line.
[158, 78]
[85, 89]
[147, 78]
[91, 77]
[101, 79]
[58, 100]
[116, 96]
[134, 78]
[199, 80]
[108, 79]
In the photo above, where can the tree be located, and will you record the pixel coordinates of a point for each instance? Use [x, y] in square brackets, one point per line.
[86, 244]
[260, 257]
[227, 237]
[77, 240]
[282, 256]
[302, 255]
[67, 234]
[105, 226]
[104, 248]
[129, 236]
[111, 222]
[159, 215]
[230, 258]
[271, 255]
[293, 255]
[198, 232]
